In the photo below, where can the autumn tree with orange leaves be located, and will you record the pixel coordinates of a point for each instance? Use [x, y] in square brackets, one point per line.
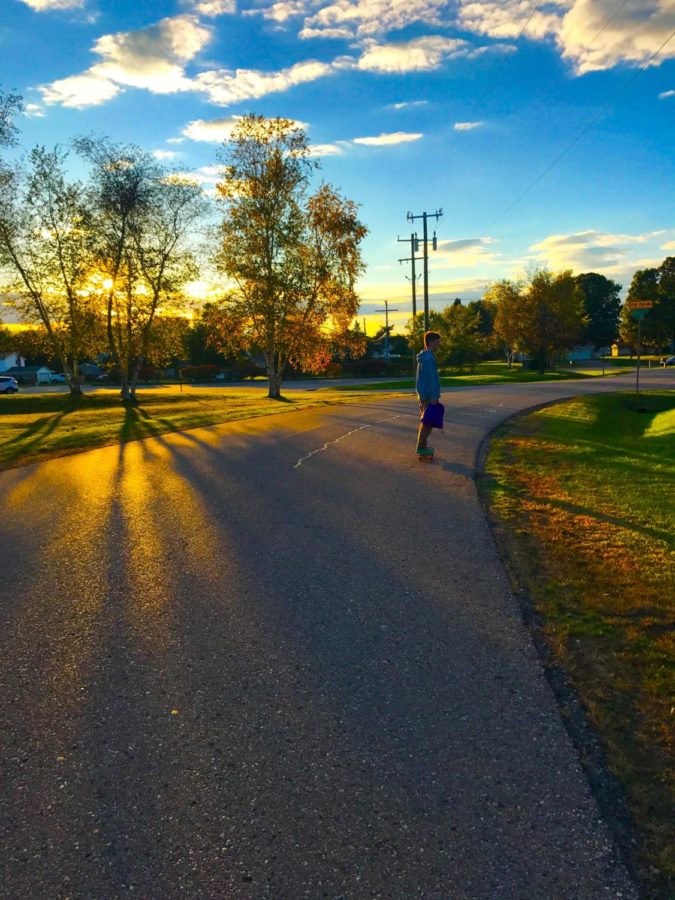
[291, 258]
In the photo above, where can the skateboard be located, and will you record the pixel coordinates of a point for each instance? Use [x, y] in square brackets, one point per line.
[426, 457]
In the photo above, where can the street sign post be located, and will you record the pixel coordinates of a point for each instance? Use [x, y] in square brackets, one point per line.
[638, 310]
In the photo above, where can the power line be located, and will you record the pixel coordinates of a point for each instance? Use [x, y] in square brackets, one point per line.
[581, 134]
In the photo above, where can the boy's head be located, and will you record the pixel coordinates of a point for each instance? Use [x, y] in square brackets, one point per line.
[431, 340]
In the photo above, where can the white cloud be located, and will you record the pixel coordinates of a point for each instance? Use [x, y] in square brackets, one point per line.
[466, 253]
[670, 245]
[596, 35]
[281, 11]
[212, 7]
[507, 18]
[47, 5]
[79, 91]
[466, 126]
[666, 94]
[325, 150]
[365, 18]
[396, 137]
[216, 130]
[34, 110]
[419, 55]
[591, 34]
[225, 87]
[151, 58]
[164, 154]
[408, 104]
[593, 251]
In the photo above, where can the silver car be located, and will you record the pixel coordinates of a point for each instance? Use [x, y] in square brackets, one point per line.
[8, 385]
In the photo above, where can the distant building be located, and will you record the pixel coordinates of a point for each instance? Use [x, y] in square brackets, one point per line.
[31, 374]
[10, 361]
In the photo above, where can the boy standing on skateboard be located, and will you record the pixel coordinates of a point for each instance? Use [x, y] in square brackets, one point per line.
[428, 387]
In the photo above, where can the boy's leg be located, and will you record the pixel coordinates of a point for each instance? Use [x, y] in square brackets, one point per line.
[423, 431]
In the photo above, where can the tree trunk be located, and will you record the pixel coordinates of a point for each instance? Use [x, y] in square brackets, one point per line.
[273, 376]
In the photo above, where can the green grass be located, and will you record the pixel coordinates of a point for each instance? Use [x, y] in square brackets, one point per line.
[35, 427]
[582, 495]
[488, 373]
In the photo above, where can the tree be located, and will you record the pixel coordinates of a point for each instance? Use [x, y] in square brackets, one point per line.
[46, 247]
[291, 259]
[658, 326]
[504, 298]
[602, 305]
[542, 317]
[144, 215]
[464, 343]
[10, 106]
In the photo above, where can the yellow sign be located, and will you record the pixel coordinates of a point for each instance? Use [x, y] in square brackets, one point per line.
[640, 304]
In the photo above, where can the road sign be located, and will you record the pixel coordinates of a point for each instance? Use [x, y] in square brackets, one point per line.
[640, 304]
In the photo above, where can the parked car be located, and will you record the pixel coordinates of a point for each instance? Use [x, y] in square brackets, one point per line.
[57, 378]
[8, 385]
[668, 361]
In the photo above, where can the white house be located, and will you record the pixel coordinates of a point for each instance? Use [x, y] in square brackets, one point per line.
[10, 361]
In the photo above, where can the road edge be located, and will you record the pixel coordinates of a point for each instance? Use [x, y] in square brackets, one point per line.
[607, 790]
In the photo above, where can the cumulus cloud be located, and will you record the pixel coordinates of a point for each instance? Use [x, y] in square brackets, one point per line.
[595, 35]
[466, 253]
[34, 110]
[152, 58]
[226, 87]
[79, 91]
[325, 150]
[164, 154]
[466, 126]
[508, 18]
[589, 251]
[210, 8]
[366, 18]
[47, 5]
[591, 34]
[396, 137]
[419, 55]
[216, 130]
[281, 11]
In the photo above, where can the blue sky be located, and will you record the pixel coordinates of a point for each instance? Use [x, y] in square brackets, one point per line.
[409, 104]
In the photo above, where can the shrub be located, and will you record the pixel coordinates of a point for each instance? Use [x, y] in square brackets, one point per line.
[199, 373]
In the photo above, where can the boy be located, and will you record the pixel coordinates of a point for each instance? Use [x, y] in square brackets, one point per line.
[428, 387]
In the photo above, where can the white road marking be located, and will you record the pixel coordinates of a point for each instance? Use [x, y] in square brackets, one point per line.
[341, 438]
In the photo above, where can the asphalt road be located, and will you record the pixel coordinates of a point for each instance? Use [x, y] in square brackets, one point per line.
[280, 659]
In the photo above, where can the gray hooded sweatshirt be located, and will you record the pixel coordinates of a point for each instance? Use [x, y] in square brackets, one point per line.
[427, 385]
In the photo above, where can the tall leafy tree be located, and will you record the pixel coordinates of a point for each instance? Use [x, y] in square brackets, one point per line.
[602, 305]
[291, 258]
[658, 285]
[144, 218]
[542, 317]
[46, 250]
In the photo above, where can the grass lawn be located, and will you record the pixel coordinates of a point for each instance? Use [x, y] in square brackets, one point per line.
[582, 495]
[35, 427]
[491, 373]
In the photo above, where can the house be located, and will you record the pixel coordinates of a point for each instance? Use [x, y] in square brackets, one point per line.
[11, 360]
[31, 374]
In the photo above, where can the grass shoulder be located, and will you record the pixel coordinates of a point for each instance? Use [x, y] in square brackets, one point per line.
[581, 497]
[35, 427]
[491, 373]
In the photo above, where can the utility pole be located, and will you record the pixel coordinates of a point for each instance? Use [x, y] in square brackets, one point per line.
[414, 247]
[425, 244]
[386, 327]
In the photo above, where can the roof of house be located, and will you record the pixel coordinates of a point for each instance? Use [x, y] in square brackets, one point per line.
[27, 370]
